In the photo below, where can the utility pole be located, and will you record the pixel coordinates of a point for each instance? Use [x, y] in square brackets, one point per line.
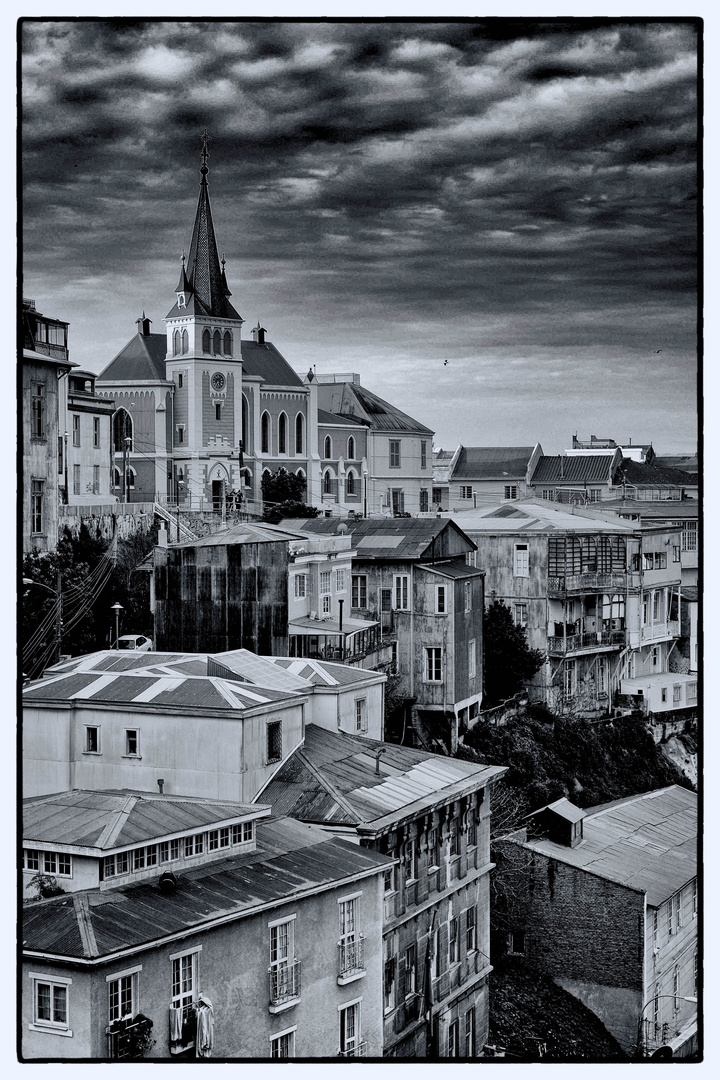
[65, 462]
[58, 617]
[126, 478]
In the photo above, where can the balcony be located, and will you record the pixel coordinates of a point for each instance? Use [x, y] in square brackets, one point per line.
[129, 1040]
[592, 642]
[658, 631]
[284, 985]
[351, 959]
[358, 1050]
[56, 352]
[590, 581]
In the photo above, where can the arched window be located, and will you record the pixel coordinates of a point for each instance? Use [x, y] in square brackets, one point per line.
[245, 477]
[327, 454]
[130, 478]
[351, 483]
[217, 343]
[327, 482]
[116, 478]
[265, 434]
[282, 433]
[122, 430]
[351, 449]
[301, 476]
[227, 343]
[245, 423]
[299, 434]
[185, 342]
[206, 340]
[176, 342]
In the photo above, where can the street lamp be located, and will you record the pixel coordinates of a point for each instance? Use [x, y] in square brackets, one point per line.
[58, 614]
[117, 608]
[675, 997]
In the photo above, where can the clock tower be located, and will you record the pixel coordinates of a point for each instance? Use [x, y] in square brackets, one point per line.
[204, 362]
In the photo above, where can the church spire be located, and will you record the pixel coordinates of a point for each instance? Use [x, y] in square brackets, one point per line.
[205, 277]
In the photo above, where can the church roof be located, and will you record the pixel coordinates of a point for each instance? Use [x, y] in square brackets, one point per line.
[262, 359]
[141, 360]
[353, 401]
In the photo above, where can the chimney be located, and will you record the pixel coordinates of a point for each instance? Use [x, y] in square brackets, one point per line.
[258, 333]
[143, 325]
[161, 785]
[162, 536]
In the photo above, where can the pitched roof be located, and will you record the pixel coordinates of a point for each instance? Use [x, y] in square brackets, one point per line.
[262, 360]
[333, 777]
[593, 468]
[647, 842]
[527, 516]
[328, 418]
[141, 360]
[325, 673]
[353, 401]
[641, 475]
[687, 462]
[244, 533]
[290, 859]
[106, 820]
[386, 538]
[492, 462]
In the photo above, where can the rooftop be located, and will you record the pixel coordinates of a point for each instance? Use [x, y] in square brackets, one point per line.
[334, 778]
[527, 516]
[647, 842]
[353, 401]
[244, 533]
[385, 538]
[291, 859]
[641, 475]
[105, 820]
[492, 462]
[593, 469]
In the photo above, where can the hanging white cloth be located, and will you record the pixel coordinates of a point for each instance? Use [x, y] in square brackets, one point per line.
[205, 1028]
[176, 1019]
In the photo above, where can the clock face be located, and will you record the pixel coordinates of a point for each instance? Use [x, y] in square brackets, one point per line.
[218, 381]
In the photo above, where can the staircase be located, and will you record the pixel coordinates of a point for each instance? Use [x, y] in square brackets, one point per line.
[173, 524]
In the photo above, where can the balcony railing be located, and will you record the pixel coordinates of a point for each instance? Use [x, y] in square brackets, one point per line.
[284, 982]
[590, 581]
[57, 352]
[358, 1050]
[128, 1040]
[660, 630]
[586, 642]
[351, 956]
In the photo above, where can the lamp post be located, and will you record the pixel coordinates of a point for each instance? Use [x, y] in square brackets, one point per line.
[675, 997]
[65, 464]
[117, 608]
[58, 612]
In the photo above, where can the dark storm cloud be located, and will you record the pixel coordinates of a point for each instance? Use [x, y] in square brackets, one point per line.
[472, 190]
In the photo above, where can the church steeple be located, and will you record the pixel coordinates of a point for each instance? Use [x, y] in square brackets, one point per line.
[203, 284]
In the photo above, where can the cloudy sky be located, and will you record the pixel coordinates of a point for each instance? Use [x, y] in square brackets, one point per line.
[494, 222]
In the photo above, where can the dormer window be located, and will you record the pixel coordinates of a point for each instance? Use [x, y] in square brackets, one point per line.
[181, 300]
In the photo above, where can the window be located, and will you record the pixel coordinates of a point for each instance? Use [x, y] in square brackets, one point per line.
[206, 341]
[282, 434]
[56, 863]
[76, 479]
[227, 343]
[327, 448]
[96, 480]
[121, 997]
[180, 434]
[340, 581]
[194, 845]
[350, 487]
[31, 859]
[410, 970]
[435, 954]
[265, 433]
[468, 595]
[440, 600]
[471, 558]
[398, 501]
[243, 833]
[548, 494]
[274, 741]
[471, 659]
[327, 482]
[92, 740]
[678, 910]
[400, 592]
[663, 693]
[522, 561]
[453, 947]
[677, 693]
[389, 881]
[471, 831]
[454, 838]
[695, 971]
[570, 677]
[410, 863]
[180, 381]
[184, 978]
[694, 898]
[676, 988]
[520, 614]
[394, 453]
[433, 849]
[516, 944]
[351, 449]
[217, 343]
[389, 984]
[470, 1033]
[326, 604]
[689, 536]
[676, 554]
[424, 501]
[660, 561]
[350, 944]
[37, 496]
[466, 492]
[283, 1045]
[76, 429]
[594, 495]
[50, 1002]
[185, 341]
[300, 585]
[423, 454]
[350, 1030]
[361, 716]
[38, 410]
[655, 926]
[470, 930]
[359, 591]
[96, 431]
[453, 1032]
[511, 491]
[324, 581]
[655, 656]
[218, 410]
[283, 985]
[131, 742]
[658, 607]
[433, 664]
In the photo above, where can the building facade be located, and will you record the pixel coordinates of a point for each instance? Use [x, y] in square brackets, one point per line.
[481, 475]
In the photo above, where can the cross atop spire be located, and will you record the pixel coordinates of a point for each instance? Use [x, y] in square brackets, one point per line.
[205, 140]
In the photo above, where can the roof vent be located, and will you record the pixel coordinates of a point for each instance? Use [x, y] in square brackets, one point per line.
[160, 784]
[258, 333]
[168, 883]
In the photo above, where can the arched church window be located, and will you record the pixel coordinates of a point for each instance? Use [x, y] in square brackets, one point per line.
[116, 478]
[299, 433]
[227, 343]
[122, 430]
[301, 476]
[206, 340]
[176, 342]
[282, 433]
[351, 449]
[185, 342]
[327, 453]
[265, 434]
[245, 424]
[327, 482]
[217, 343]
[350, 483]
[130, 478]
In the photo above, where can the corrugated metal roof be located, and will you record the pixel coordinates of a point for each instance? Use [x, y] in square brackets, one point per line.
[141, 360]
[358, 404]
[324, 672]
[333, 419]
[384, 538]
[266, 362]
[492, 462]
[291, 857]
[112, 819]
[245, 533]
[530, 516]
[647, 842]
[654, 475]
[595, 468]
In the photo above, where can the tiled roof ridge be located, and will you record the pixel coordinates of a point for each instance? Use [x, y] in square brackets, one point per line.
[84, 924]
[330, 788]
[116, 824]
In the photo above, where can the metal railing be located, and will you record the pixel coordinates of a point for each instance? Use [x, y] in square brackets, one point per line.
[358, 1050]
[588, 581]
[284, 982]
[587, 642]
[351, 956]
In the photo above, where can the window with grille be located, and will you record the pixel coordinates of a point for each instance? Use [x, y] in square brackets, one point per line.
[243, 833]
[401, 592]
[121, 993]
[511, 491]
[300, 585]
[440, 600]
[470, 930]
[274, 741]
[359, 591]
[521, 567]
[37, 500]
[471, 659]
[194, 845]
[433, 664]
[38, 410]
[689, 536]
[51, 1002]
[466, 492]
[394, 453]
[520, 614]
[283, 1045]
[184, 978]
[350, 1029]
[361, 716]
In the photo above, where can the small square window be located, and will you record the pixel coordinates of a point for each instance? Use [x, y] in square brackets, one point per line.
[92, 740]
[516, 943]
[131, 742]
[51, 1003]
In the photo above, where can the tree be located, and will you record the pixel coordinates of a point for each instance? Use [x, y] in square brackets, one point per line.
[509, 662]
[283, 486]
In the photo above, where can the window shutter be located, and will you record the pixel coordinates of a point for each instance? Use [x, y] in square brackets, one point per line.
[443, 942]
[401, 980]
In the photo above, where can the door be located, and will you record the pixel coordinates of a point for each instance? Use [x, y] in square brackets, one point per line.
[217, 495]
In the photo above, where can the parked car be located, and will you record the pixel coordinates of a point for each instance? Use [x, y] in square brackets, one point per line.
[134, 641]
